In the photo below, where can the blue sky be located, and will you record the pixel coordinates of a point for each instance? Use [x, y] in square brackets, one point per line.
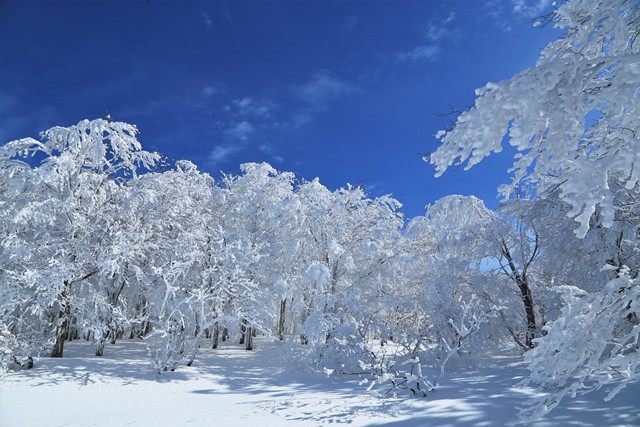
[345, 91]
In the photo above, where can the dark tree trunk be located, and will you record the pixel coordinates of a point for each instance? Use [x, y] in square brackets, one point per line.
[62, 329]
[243, 332]
[194, 350]
[248, 345]
[522, 282]
[58, 346]
[216, 335]
[527, 300]
[197, 328]
[281, 319]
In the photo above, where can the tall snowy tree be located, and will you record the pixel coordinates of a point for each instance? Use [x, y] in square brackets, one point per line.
[60, 224]
[574, 119]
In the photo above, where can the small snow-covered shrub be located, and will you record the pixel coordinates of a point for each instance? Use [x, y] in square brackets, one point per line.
[338, 349]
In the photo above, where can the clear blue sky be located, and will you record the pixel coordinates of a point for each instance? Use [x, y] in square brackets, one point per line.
[345, 91]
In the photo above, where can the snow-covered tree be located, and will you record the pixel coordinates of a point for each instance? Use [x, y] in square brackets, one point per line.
[57, 233]
[574, 119]
[264, 217]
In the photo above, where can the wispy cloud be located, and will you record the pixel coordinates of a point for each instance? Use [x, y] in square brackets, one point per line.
[531, 9]
[206, 18]
[249, 120]
[246, 120]
[268, 150]
[351, 22]
[249, 107]
[213, 89]
[316, 95]
[215, 14]
[437, 30]
[222, 153]
[240, 130]
[498, 13]
[236, 138]
[501, 14]
[323, 88]
[246, 116]
[419, 54]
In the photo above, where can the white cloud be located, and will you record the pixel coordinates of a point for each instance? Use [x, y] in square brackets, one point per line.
[323, 88]
[351, 22]
[316, 95]
[268, 150]
[301, 118]
[246, 117]
[420, 53]
[250, 107]
[207, 20]
[450, 18]
[265, 148]
[221, 153]
[531, 9]
[438, 28]
[213, 89]
[240, 130]
[498, 14]
[435, 32]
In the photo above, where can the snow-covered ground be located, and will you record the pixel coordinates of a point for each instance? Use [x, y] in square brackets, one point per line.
[231, 386]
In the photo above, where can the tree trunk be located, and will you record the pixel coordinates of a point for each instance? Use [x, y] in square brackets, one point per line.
[100, 346]
[248, 345]
[145, 329]
[527, 300]
[216, 335]
[58, 347]
[197, 328]
[194, 351]
[243, 332]
[62, 329]
[525, 292]
[281, 319]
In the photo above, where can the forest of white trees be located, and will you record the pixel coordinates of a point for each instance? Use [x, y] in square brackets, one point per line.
[103, 241]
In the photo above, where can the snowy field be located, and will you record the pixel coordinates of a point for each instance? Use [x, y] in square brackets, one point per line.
[231, 386]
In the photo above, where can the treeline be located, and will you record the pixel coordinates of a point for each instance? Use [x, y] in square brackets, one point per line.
[98, 246]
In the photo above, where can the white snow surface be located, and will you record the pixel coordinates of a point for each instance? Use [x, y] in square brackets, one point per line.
[231, 386]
